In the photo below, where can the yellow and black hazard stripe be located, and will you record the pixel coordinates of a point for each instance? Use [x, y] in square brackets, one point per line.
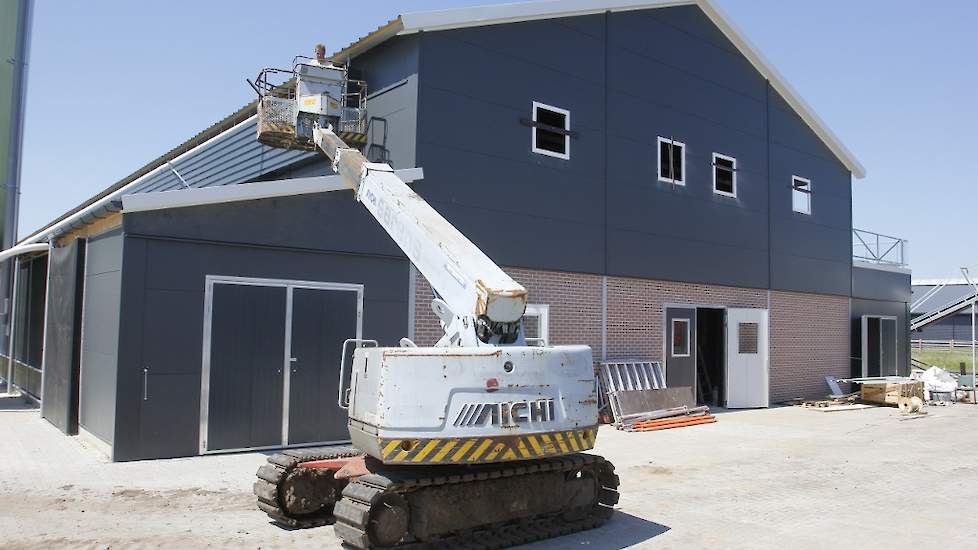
[352, 138]
[475, 450]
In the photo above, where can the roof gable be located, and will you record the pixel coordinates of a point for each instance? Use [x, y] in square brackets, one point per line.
[411, 23]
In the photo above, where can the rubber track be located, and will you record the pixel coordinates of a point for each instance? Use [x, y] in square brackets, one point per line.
[276, 469]
[353, 511]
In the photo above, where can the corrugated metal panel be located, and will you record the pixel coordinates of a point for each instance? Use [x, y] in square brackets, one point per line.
[232, 157]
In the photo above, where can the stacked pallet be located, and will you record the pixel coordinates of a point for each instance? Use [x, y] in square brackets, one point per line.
[639, 401]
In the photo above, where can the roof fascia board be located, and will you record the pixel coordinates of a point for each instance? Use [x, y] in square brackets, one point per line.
[781, 85]
[881, 267]
[67, 223]
[526, 11]
[390, 30]
[142, 202]
[950, 281]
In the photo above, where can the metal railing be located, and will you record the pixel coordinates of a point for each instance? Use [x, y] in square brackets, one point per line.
[25, 377]
[920, 344]
[877, 248]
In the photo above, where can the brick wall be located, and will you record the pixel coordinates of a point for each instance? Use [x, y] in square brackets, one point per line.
[635, 311]
[809, 340]
[809, 336]
[574, 300]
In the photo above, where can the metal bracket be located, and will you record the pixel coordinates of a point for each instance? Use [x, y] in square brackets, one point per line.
[343, 399]
[547, 127]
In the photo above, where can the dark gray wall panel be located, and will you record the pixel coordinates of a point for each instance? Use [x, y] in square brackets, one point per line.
[392, 126]
[391, 73]
[805, 274]
[879, 284]
[626, 78]
[809, 253]
[522, 208]
[328, 221]
[858, 308]
[163, 327]
[683, 37]
[954, 327]
[388, 63]
[100, 335]
[63, 337]
[688, 261]
[666, 79]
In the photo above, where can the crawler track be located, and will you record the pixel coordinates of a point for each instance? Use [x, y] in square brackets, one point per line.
[300, 498]
[400, 507]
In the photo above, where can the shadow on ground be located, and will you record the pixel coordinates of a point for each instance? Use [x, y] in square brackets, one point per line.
[622, 531]
[16, 404]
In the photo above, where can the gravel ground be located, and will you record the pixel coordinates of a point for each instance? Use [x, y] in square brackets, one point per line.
[775, 478]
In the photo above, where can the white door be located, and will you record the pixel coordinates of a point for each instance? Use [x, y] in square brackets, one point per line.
[747, 358]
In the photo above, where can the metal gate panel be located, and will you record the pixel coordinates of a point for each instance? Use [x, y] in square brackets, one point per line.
[291, 352]
[321, 321]
[242, 378]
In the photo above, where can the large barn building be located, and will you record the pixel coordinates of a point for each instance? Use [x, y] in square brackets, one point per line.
[661, 191]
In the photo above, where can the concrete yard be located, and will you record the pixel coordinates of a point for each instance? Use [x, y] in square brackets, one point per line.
[776, 478]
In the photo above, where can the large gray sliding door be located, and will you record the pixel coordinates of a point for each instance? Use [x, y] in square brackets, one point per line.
[245, 376]
[271, 361]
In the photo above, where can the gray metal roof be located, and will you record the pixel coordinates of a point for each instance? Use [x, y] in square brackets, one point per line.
[950, 294]
[230, 155]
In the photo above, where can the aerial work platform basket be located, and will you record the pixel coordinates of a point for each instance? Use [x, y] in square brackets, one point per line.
[292, 102]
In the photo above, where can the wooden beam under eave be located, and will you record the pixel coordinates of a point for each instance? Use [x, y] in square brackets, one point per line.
[97, 227]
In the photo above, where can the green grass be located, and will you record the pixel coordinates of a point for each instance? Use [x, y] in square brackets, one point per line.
[946, 359]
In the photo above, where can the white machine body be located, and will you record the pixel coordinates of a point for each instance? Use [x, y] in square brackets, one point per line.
[403, 398]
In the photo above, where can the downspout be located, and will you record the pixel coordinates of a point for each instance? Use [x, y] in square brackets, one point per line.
[11, 179]
[18, 99]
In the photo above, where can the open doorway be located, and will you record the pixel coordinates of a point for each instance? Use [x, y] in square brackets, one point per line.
[710, 363]
[879, 345]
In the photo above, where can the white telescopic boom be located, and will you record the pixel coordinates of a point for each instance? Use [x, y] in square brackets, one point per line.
[462, 275]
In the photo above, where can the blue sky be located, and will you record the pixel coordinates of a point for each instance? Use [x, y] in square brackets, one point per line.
[114, 84]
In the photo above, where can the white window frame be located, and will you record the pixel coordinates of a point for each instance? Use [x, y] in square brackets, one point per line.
[793, 191]
[733, 163]
[542, 313]
[672, 338]
[658, 164]
[533, 133]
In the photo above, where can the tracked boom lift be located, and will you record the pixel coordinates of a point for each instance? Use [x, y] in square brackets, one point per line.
[477, 440]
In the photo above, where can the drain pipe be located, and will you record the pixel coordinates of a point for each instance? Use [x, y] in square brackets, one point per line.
[974, 380]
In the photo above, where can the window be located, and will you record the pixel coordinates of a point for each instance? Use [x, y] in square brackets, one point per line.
[536, 321]
[551, 131]
[672, 161]
[801, 195]
[680, 337]
[724, 175]
[747, 338]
